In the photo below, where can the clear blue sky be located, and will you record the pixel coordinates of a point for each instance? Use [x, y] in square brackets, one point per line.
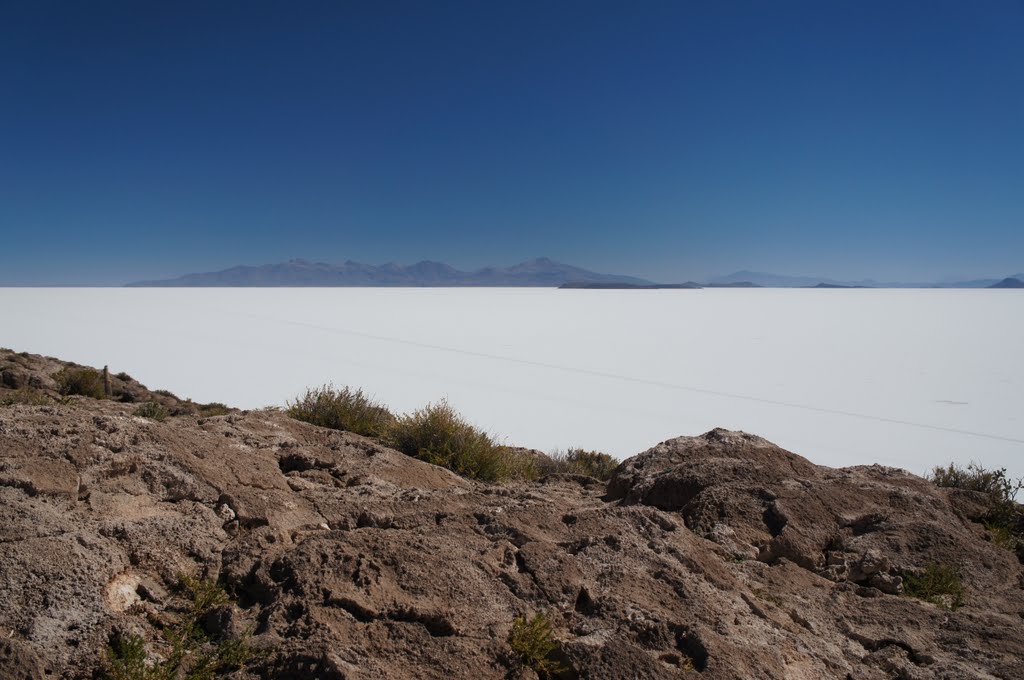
[672, 140]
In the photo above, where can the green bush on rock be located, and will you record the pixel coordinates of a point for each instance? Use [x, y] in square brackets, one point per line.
[85, 382]
[580, 462]
[940, 584]
[1004, 517]
[533, 645]
[153, 411]
[341, 409]
[188, 651]
[437, 434]
[26, 396]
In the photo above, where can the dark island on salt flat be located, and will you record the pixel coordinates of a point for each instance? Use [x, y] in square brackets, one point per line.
[632, 286]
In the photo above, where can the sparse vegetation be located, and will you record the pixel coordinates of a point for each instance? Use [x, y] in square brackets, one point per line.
[190, 653]
[86, 382]
[28, 396]
[994, 483]
[685, 664]
[153, 411]
[126, 660]
[345, 409]
[768, 596]
[214, 408]
[437, 434]
[580, 462]
[533, 645]
[1004, 537]
[1005, 517]
[940, 584]
[519, 465]
[189, 407]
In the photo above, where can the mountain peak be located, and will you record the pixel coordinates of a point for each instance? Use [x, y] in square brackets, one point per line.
[539, 272]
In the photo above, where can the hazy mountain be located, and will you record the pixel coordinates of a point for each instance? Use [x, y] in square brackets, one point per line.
[763, 279]
[781, 281]
[1011, 282]
[540, 272]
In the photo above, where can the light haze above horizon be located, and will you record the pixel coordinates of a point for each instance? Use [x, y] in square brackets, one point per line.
[664, 140]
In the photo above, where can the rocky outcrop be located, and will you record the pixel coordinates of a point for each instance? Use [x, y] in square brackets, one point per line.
[722, 553]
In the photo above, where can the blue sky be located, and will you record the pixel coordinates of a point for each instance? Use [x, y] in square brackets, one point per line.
[671, 140]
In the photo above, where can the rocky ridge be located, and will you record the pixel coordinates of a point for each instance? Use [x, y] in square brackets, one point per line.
[718, 556]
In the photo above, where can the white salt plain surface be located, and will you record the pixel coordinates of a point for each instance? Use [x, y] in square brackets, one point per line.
[909, 378]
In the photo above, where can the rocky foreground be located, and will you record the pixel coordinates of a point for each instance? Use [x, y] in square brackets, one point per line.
[719, 556]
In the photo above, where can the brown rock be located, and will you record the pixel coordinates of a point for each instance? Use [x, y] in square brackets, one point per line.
[722, 553]
[42, 476]
[19, 662]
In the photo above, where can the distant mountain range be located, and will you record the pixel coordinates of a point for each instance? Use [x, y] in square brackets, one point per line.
[540, 272]
[765, 280]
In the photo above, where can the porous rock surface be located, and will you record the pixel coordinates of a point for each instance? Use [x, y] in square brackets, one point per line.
[351, 560]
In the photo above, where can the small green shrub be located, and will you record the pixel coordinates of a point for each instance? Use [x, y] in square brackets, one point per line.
[86, 382]
[205, 595]
[1004, 536]
[346, 409]
[126, 659]
[214, 408]
[532, 643]
[940, 584]
[520, 465]
[28, 396]
[580, 462]
[768, 596]
[191, 408]
[437, 434]
[993, 483]
[190, 654]
[1005, 517]
[153, 411]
